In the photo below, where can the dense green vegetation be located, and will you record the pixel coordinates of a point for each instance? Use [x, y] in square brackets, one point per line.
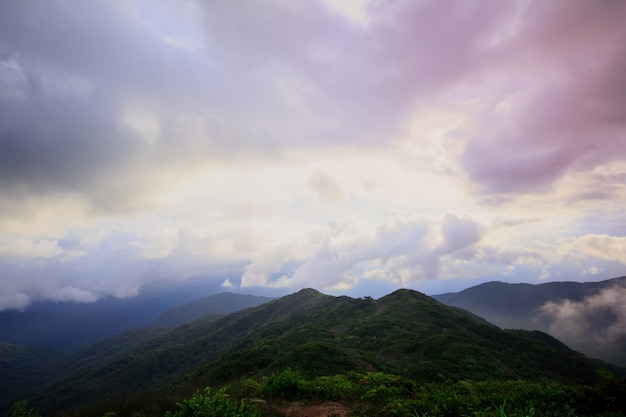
[382, 394]
[376, 393]
[21, 367]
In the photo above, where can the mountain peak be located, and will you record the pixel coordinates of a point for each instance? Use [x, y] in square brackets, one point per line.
[309, 292]
[305, 295]
[404, 294]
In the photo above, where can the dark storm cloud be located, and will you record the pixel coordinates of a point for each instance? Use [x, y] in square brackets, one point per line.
[56, 139]
[70, 68]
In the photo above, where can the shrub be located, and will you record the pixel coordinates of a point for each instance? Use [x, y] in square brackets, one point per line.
[209, 403]
[286, 384]
[22, 409]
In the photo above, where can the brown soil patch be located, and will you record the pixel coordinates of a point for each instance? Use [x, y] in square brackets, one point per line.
[316, 409]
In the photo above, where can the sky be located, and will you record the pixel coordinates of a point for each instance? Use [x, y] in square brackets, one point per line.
[354, 147]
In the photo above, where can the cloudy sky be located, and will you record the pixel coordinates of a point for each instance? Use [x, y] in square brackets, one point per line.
[354, 147]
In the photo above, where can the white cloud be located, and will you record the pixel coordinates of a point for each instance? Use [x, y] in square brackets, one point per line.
[73, 294]
[26, 249]
[405, 249]
[601, 316]
[355, 10]
[228, 283]
[14, 301]
[592, 270]
[160, 243]
[602, 246]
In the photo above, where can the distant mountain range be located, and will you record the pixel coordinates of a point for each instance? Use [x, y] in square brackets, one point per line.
[406, 333]
[589, 317]
[216, 304]
[67, 327]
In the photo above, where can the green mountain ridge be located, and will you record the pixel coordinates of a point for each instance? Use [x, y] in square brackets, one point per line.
[405, 333]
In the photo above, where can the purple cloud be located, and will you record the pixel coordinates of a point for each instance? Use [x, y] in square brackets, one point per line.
[570, 111]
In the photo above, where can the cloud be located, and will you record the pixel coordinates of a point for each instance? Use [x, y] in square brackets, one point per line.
[565, 110]
[14, 80]
[458, 234]
[157, 244]
[264, 264]
[355, 10]
[592, 270]
[73, 294]
[307, 143]
[14, 301]
[601, 317]
[326, 188]
[403, 250]
[612, 248]
[228, 284]
[124, 118]
[100, 101]
[24, 248]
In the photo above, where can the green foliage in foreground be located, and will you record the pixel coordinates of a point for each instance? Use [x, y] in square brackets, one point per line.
[209, 403]
[388, 395]
[381, 394]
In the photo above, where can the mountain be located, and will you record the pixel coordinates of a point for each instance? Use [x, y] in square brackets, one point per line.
[405, 333]
[67, 327]
[218, 304]
[21, 367]
[588, 317]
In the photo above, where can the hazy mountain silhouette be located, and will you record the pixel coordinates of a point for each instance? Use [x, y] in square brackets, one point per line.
[589, 317]
[67, 327]
[218, 304]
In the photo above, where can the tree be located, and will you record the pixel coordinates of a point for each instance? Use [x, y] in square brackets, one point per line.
[21, 409]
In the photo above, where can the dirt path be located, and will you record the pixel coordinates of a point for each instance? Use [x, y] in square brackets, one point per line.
[317, 409]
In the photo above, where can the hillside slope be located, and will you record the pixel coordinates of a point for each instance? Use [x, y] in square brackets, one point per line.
[586, 316]
[67, 327]
[405, 333]
[222, 303]
[21, 367]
